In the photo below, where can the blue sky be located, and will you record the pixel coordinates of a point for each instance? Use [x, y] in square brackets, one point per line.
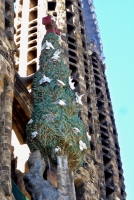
[116, 23]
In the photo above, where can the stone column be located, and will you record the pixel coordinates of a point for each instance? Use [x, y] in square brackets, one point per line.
[2, 12]
[24, 39]
[42, 12]
[65, 180]
[6, 100]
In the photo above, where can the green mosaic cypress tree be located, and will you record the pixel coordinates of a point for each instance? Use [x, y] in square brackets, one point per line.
[54, 121]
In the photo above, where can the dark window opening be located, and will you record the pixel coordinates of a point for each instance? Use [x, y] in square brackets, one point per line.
[79, 115]
[86, 71]
[68, 3]
[100, 104]
[79, 5]
[71, 40]
[7, 23]
[103, 129]
[81, 20]
[88, 100]
[104, 136]
[95, 65]
[72, 46]
[19, 26]
[32, 55]
[82, 31]
[91, 131]
[92, 146]
[32, 31]
[107, 175]
[85, 56]
[98, 92]
[18, 32]
[117, 146]
[18, 39]
[94, 54]
[33, 15]
[79, 188]
[122, 192]
[114, 132]
[7, 6]
[119, 168]
[97, 78]
[31, 69]
[85, 63]
[112, 119]
[33, 24]
[105, 151]
[13, 169]
[72, 60]
[86, 78]
[118, 160]
[101, 117]
[33, 3]
[32, 44]
[105, 143]
[70, 28]
[71, 53]
[94, 60]
[120, 176]
[21, 2]
[106, 160]
[83, 44]
[20, 14]
[89, 115]
[74, 70]
[18, 45]
[95, 71]
[87, 86]
[109, 192]
[51, 6]
[32, 38]
[69, 16]
[117, 153]
[98, 84]
[76, 85]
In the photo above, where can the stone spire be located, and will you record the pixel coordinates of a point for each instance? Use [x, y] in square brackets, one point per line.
[92, 30]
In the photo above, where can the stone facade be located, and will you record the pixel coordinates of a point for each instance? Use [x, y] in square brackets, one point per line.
[101, 177]
[7, 65]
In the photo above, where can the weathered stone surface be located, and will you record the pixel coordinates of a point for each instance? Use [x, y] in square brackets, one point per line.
[35, 184]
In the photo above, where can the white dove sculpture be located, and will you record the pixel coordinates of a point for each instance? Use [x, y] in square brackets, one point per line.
[47, 45]
[57, 150]
[61, 83]
[88, 137]
[82, 145]
[61, 102]
[76, 130]
[45, 79]
[78, 98]
[34, 134]
[71, 84]
[30, 121]
[56, 56]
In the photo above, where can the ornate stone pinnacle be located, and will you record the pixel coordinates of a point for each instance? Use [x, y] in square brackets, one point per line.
[50, 25]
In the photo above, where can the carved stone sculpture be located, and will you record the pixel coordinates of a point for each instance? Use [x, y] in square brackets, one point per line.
[35, 184]
[54, 122]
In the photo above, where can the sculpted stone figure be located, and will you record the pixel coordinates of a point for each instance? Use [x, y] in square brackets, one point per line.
[35, 184]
